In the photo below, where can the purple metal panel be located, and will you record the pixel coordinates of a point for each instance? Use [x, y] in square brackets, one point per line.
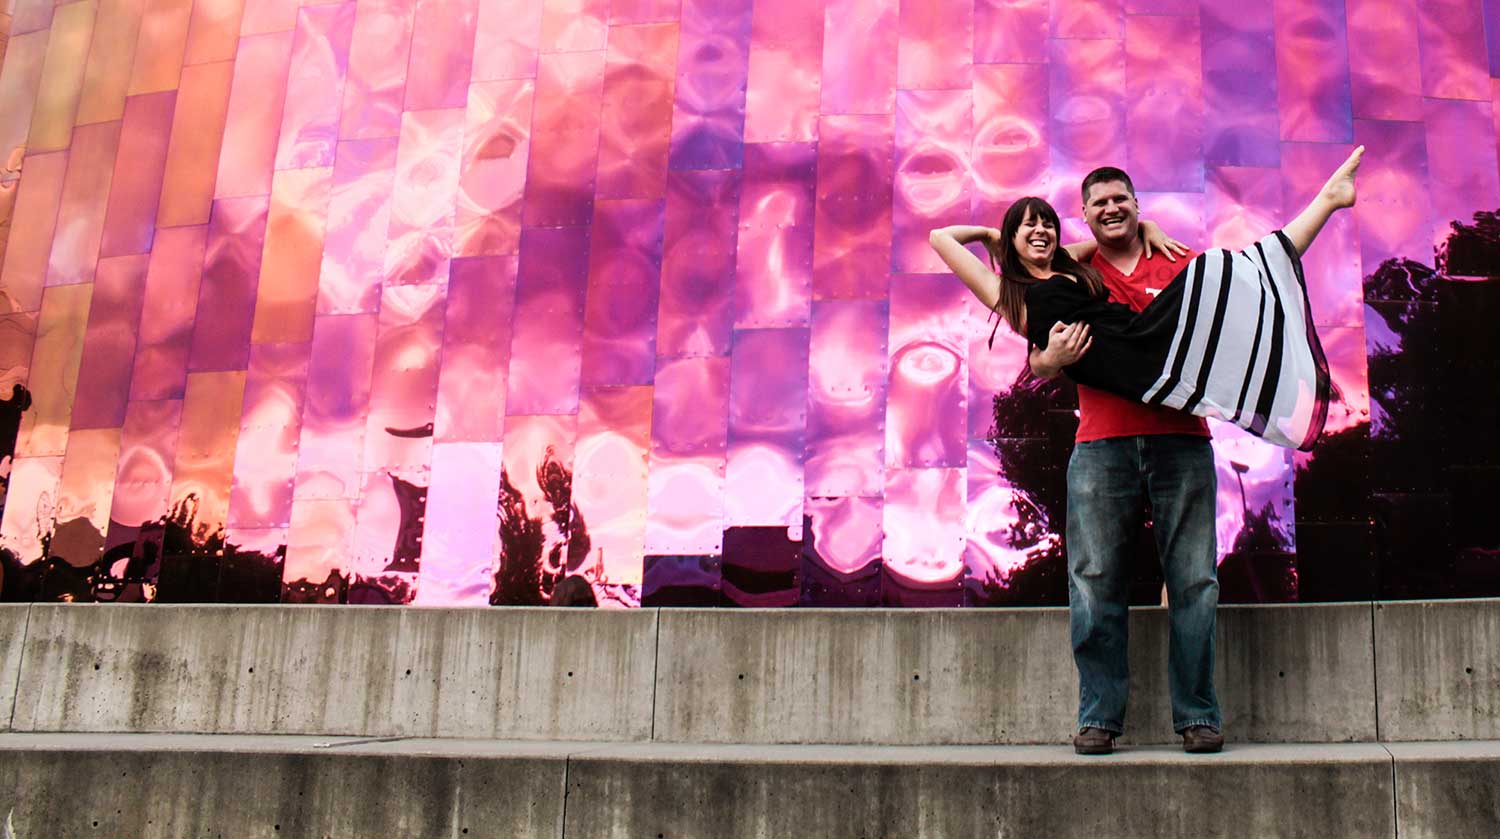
[783, 83]
[1180, 214]
[1010, 154]
[204, 465]
[708, 117]
[993, 369]
[226, 296]
[476, 351]
[1348, 367]
[535, 508]
[861, 45]
[1088, 19]
[767, 428]
[643, 11]
[331, 449]
[635, 130]
[443, 35]
[187, 191]
[773, 275]
[31, 229]
[109, 343]
[546, 340]
[846, 398]
[608, 533]
[359, 209]
[936, 45]
[286, 295]
[928, 375]
[1004, 528]
[1312, 71]
[1393, 213]
[1242, 204]
[931, 185]
[148, 448]
[1239, 85]
[1455, 63]
[265, 462]
[564, 155]
[1087, 114]
[689, 433]
[492, 178]
[1164, 103]
[1332, 265]
[130, 218]
[846, 532]
[923, 522]
[315, 87]
[166, 325]
[698, 263]
[852, 216]
[1382, 41]
[461, 533]
[1011, 31]
[619, 326]
[506, 37]
[256, 101]
[376, 84]
[420, 232]
[386, 545]
[1462, 177]
[574, 25]
[1256, 509]
[403, 392]
[80, 214]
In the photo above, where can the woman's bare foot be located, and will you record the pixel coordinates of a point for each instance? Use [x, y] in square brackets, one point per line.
[1340, 191]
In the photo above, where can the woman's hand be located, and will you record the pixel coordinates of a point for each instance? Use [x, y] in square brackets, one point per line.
[1155, 239]
[1066, 343]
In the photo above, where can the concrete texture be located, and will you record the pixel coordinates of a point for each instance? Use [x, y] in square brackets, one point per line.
[521, 673]
[1447, 790]
[13, 617]
[1287, 674]
[1438, 669]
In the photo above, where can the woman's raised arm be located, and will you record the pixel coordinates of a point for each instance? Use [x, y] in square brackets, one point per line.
[949, 243]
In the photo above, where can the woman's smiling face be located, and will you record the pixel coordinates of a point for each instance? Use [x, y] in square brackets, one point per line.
[1035, 240]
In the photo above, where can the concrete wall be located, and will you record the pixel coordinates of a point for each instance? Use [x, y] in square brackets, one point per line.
[1438, 664]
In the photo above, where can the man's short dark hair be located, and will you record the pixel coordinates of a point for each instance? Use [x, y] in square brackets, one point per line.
[1105, 174]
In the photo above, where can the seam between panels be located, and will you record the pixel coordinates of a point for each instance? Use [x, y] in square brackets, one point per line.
[15, 695]
[655, 670]
[1395, 795]
[1375, 671]
[562, 816]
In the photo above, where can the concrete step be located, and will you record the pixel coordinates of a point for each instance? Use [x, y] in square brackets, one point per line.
[62, 786]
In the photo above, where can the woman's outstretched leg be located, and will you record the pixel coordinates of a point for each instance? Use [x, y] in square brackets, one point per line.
[1337, 194]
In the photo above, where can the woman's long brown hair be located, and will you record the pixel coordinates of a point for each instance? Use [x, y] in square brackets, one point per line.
[1014, 278]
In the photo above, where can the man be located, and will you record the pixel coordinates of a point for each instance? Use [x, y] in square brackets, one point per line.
[1129, 453]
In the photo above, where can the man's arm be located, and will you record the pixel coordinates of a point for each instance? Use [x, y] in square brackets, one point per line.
[1066, 343]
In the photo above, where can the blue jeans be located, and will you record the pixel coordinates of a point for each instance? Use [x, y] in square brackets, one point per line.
[1108, 481]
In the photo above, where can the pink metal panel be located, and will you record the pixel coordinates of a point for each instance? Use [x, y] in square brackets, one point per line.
[80, 214]
[847, 531]
[1012, 31]
[460, 536]
[166, 324]
[936, 45]
[256, 100]
[712, 65]
[359, 210]
[565, 139]
[270, 423]
[1312, 71]
[1180, 214]
[1242, 204]
[767, 428]
[1164, 103]
[20, 76]
[1455, 64]
[506, 38]
[161, 46]
[643, 11]
[213, 31]
[1003, 528]
[1255, 479]
[783, 84]
[106, 78]
[932, 186]
[923, 521]
[476, 351]
[636, 118]
[846, 399]
[30, 15]
[192, 164]
[403, 392]
[1382, 41]
[317, 549]
[1010, 152]
[54, 370]
[546, 341]
[62, 77]
[993, 370]
[315, 87]
[130, 218]
[1088, 19]
[262, 16]
[1161, 7]
[861, 44]
[574, 25]
[204, 466]
[928, 377]
[109, 342]
[852, 216]
[492, 176]
[378, 57]
[1344, 347]
[1239, 84]
[773, 275]
[331, 449]
[420, 233]
[1462, 178]
[83, 495]
[287, 292]
[17, 335]
[31, 231]
[619, 324]
[1393, 213]
[1087, 126]
[689, 434]
[226, 296]
[1332, 265]
[30, 506]
[609, 483]
[443, 38]
[148, 448]
[536, 499]
[698, 263]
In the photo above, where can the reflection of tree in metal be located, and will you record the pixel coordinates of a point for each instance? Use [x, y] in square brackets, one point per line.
[537, 553]
[10, 426]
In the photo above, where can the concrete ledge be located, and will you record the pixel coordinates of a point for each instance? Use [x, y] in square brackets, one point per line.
[13, 618]
[528, 673]
[1438, 663]
[1447, 790]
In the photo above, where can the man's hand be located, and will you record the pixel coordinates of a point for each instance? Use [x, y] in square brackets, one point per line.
[1156, 240]
[1066, 343]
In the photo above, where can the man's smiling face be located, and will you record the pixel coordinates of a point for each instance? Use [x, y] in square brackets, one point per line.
[1112, 213]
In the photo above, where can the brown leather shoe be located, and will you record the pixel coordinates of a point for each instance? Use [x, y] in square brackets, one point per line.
[1094, 741]
[1200, 739]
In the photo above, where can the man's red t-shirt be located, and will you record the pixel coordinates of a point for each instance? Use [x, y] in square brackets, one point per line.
[1103, 415]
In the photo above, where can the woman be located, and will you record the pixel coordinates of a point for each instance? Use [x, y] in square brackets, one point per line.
[1231, 337]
